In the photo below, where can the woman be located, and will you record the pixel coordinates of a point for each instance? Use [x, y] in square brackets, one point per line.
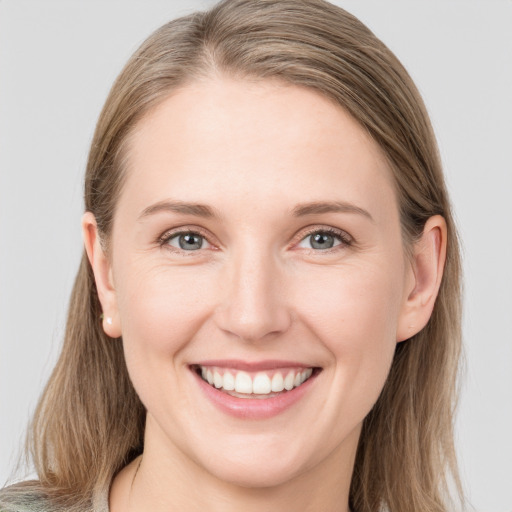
[267, 313]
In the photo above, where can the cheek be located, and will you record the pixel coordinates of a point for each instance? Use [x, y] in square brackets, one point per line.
[354, 302]
[351, 310]
[354, 313]
[161, 311]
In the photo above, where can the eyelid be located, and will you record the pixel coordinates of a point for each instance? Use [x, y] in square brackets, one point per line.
[171, 233]
[345, 238]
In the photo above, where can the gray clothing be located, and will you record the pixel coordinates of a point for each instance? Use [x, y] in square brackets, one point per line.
[26, 501]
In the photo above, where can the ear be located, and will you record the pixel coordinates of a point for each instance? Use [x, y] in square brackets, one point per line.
[102, 269]
[424, 278]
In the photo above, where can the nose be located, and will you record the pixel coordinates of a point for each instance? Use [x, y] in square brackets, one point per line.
[253, 297]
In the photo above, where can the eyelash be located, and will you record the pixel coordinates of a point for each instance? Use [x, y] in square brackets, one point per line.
[342, 236]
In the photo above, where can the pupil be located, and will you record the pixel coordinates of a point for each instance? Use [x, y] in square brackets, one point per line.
[190, 241]
[320, 239]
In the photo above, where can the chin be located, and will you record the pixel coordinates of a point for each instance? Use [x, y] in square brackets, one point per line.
[255, 475]
[257, 465]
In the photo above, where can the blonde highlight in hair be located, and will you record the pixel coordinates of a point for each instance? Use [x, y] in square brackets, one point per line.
[90, 422]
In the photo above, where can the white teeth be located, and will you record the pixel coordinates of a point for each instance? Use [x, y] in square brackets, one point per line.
[288, 381]
[218, 381]
[261, 384]
[277, 382]
[229, 382]
[243, 383]
[304, 376]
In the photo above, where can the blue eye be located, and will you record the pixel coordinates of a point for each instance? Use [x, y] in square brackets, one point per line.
[325, 239]
[319, 240]
[186, 240]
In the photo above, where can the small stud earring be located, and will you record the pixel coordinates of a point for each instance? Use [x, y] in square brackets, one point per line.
[109, 320]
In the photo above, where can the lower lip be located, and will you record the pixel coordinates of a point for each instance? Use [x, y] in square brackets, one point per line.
[254, 408]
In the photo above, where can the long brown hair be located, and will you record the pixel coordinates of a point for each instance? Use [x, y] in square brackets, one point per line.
[90, 423]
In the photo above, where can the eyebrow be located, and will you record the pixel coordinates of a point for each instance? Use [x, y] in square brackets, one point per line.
[207, 212]
[317, 207]
[172, 206]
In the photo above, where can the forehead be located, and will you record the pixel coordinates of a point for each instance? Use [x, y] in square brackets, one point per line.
[265, 143]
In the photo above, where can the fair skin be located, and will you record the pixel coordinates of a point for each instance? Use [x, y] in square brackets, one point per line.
[256, 286]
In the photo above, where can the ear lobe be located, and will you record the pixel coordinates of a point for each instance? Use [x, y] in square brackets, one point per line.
[102, 270]
[427, 266]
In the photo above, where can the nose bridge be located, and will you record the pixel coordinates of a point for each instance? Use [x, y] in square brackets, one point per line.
[253, 303]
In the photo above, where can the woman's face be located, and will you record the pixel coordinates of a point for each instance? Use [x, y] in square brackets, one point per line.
[256, 241]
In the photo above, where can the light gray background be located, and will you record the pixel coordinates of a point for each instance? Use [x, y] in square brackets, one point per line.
[57, 62]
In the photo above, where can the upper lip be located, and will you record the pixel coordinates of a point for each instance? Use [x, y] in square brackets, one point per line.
[252, 366]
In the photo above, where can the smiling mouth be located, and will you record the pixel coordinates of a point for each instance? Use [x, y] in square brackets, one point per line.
[255, 385]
